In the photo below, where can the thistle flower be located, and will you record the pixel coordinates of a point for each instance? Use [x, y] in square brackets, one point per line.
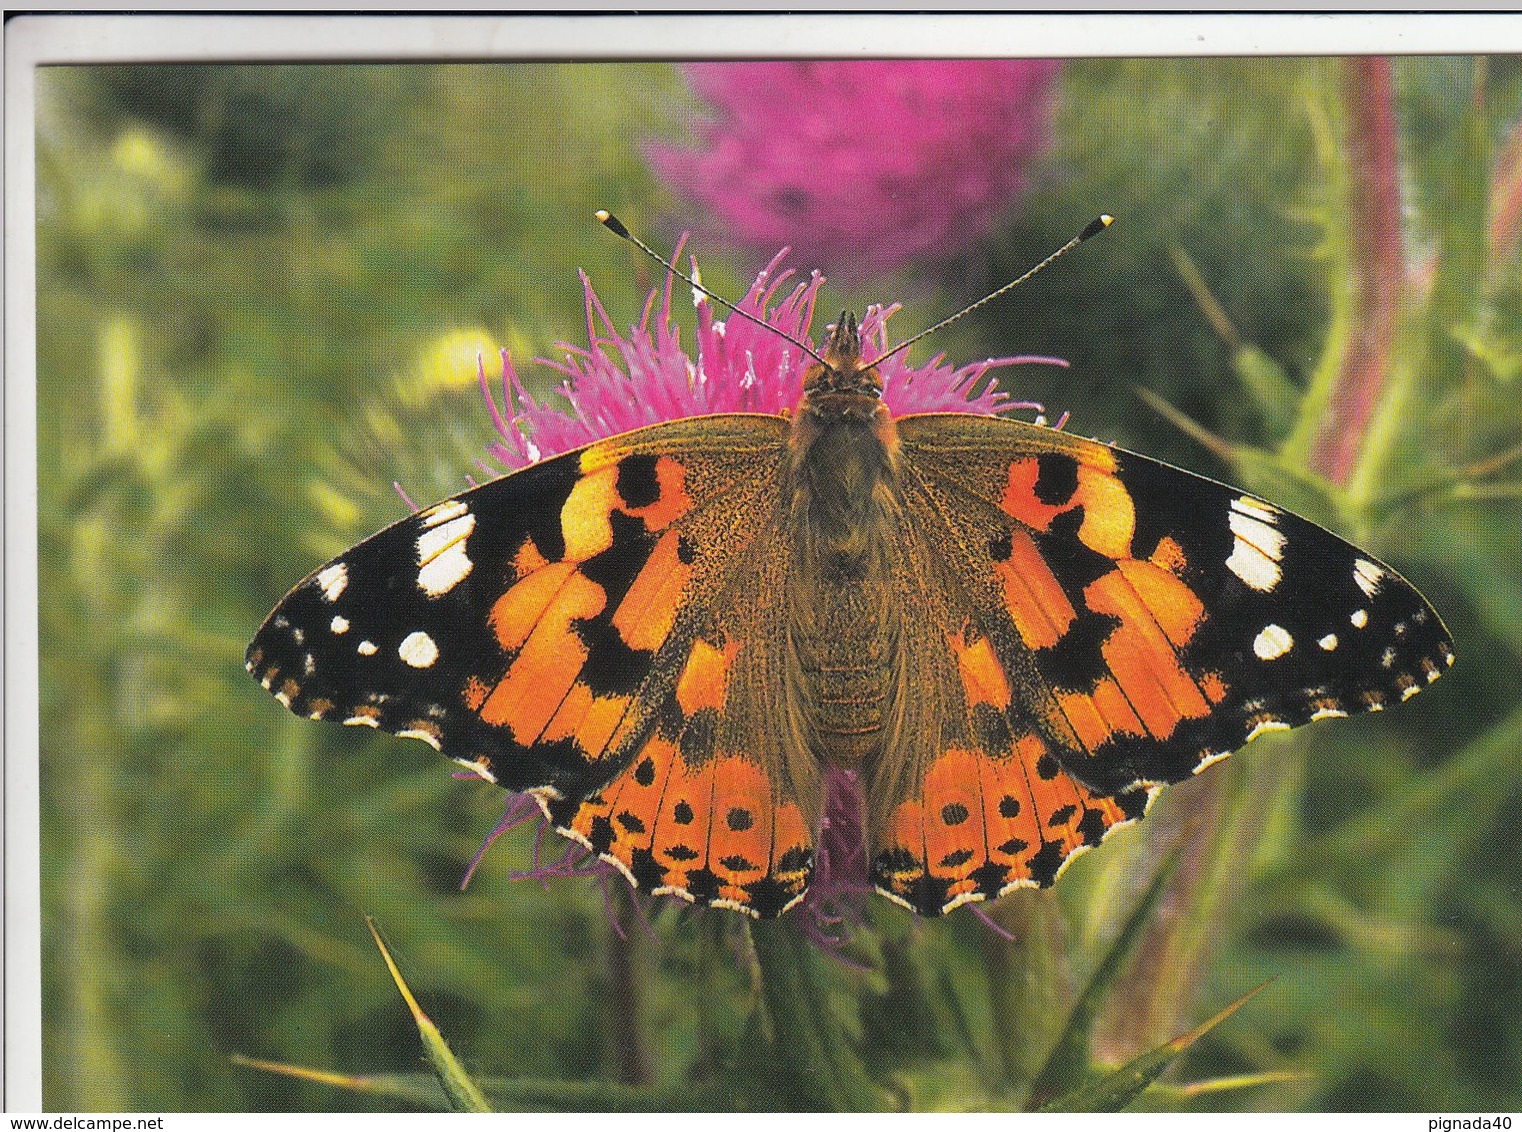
[623, 381]
[931, 152]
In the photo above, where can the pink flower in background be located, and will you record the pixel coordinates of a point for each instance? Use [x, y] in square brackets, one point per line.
[863, 166]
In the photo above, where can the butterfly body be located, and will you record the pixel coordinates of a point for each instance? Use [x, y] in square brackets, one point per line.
[1014, 636]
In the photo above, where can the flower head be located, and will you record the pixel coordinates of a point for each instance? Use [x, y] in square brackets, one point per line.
[620, 381]
[864, 165]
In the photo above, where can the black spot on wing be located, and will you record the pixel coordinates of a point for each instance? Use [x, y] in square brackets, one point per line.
[615, 568]
[647, 873]
[1092, 827]
[1076, 660]
[768, 896]
[1073, 563]
[1056, 478]
[703, 884]
[796, 859]
[612, 668]
[1045, 863]
[637, 485]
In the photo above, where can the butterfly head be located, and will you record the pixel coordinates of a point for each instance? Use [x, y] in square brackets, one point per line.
[842, 370]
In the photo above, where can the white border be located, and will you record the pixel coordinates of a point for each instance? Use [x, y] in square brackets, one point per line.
[35, 40]
[44, 39]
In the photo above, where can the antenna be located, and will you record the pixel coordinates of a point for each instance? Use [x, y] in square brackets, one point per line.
[1093, 228]
[616, 226]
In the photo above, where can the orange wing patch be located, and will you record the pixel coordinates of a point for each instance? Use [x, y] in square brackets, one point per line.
[985, 823]
[538, 621]
[1137, 684]
[713, 832]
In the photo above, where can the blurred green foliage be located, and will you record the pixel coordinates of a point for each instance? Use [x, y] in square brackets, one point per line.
[261, 290]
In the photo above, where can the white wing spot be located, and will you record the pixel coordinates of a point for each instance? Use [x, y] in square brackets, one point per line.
[441, 549]
[426, 736]
[367, 648]
[362, 721]
[1272, 643]
[1255, 508]
[1360, 618]
[333, 580]
[443, 512]
[1407, 693]
[1328, 713]
[1328, 642]
[418, 650]
[308, 664]
[1387, 658]
[340, 625]
[1259, 545]
[1368, 576]
[285, 700]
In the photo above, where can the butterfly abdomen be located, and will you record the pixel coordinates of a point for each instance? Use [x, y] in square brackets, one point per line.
[842, 623]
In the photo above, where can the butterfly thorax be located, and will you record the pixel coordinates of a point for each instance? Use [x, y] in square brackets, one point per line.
[843, 506]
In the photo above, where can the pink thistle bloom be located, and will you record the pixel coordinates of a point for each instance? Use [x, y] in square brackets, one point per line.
[624, 381]
[931, 152]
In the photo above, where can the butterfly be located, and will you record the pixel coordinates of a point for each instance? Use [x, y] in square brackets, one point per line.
[1014, 635]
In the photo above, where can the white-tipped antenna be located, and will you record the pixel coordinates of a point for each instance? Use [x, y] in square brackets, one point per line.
[1094, 227]
[616, 226]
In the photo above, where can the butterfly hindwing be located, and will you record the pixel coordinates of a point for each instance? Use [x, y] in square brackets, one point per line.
[714, 806]
[1160, 619]
[982, 805]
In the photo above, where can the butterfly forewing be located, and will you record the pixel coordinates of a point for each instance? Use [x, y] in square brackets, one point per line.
[531, 627]
[1157, 619]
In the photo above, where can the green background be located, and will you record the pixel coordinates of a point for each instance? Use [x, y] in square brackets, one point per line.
[261, 290]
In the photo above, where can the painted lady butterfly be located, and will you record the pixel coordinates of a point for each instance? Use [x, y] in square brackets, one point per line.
[1016, 635]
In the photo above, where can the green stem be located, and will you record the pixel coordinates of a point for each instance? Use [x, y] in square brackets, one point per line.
[813, 1062]
[1028, 981]
[1377, 264]
[626, 1008]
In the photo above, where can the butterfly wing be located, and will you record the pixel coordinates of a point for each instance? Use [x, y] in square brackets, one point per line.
[716, 805]
[1118, 624]
[554, 630]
